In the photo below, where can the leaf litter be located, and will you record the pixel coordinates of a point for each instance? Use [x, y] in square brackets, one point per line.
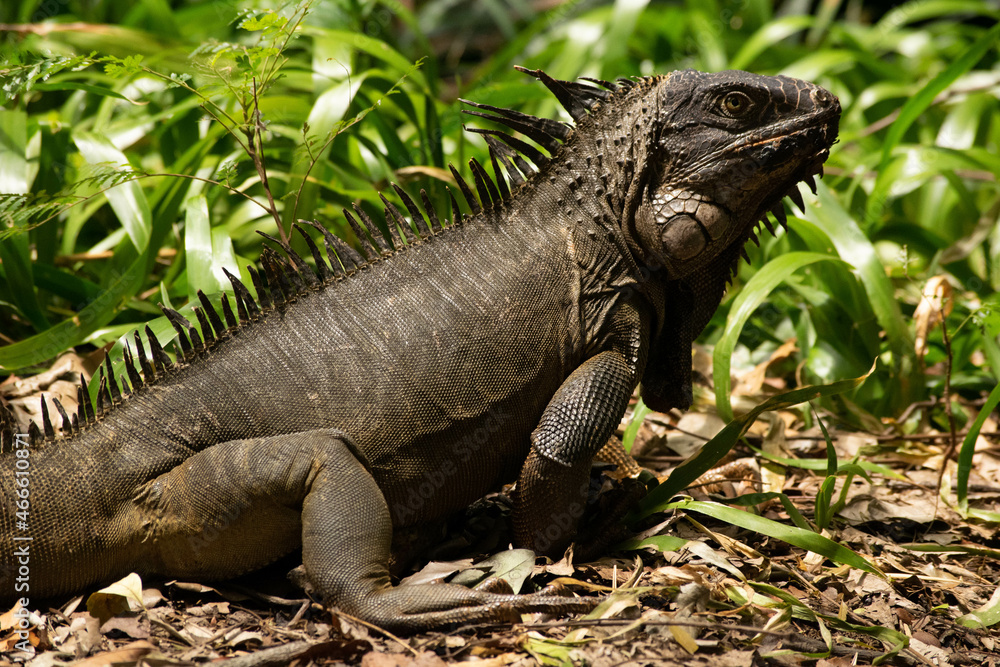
[687, 588]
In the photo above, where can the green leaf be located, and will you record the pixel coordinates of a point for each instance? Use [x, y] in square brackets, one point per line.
[68, 333]
[754, 293]
[767, 36]
[805, 539]
[985, 617]
[86, 87]
[513, 566]
[661, 542]
[853, 247]
[968, 449]
[638, 416]
[127, 199]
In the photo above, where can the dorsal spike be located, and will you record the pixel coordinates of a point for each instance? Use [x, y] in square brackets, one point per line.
[408, 234]
[196, 341]
[613, 87]
[549, 134]
[245, 305]
[499, 179]
[82, 398]
[126, 389]
[281, 289]
[519, 147]
[103, 397]
[395, 240]
[470, 198]
[325, 275]
[67, 425]
[502, 152]
[415, 213]
[484, 184]
[267, 294]
[147, 367]
[340, 253]
[130, 369]
[374, 232]
[431, 213]
[116, 395]
[35, 436]
[227, 312]
[76, 423]
[395, 221]
[796, 198]
[570, 95]
[50, 433]
[456, 214]
[368, 250]
[297, 269]
[180, 325]
[206, 328]
[213, 317]
[87, 406]
[161, 360]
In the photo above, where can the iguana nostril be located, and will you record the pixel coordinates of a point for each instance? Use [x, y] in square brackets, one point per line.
[821, 97]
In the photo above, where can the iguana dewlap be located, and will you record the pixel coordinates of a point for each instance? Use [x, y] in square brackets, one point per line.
[386, 390]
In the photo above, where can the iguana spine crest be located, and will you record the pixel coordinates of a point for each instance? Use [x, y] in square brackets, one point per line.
[283, 280]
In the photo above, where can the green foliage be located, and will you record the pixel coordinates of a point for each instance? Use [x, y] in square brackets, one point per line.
[140, 155]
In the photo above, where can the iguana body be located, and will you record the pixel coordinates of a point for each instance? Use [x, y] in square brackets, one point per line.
[502, 347]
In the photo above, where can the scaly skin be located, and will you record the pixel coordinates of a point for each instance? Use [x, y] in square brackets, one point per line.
[503, 347]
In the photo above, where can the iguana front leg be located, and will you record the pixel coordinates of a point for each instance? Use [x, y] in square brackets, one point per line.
[250, 495]
[579, 420]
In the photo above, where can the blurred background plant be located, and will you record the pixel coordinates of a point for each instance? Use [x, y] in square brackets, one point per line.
[144, 143]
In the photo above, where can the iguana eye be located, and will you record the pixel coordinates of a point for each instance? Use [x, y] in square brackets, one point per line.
[735, 104]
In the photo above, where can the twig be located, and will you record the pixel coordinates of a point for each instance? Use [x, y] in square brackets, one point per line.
[376, 628]
[255, 146]
[953, 443]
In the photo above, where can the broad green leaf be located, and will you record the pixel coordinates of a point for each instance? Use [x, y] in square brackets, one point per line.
[16, 171]
[767, 36]
[68, 333]
[754, 293]
[371, 46]
[127, 199]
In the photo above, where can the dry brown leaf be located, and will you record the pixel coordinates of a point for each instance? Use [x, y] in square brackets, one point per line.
[128, 654]
[935, 299]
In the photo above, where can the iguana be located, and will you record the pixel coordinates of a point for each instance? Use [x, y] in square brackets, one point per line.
[386, 387]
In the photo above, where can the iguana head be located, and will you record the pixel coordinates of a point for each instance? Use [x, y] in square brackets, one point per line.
[723, 150]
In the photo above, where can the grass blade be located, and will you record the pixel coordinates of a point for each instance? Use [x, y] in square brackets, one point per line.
[804, 539]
